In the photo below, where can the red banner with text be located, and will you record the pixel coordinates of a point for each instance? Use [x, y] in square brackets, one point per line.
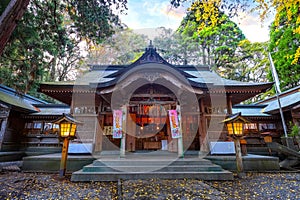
[117, 124]
[173, 116]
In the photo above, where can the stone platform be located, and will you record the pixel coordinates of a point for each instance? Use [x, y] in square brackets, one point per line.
[251, 162]
[108, 166]
[11, 156]
[161, 165]
[51, 162]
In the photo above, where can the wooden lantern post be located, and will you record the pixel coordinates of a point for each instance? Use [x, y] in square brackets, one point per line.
[67, 130]
[235, 127]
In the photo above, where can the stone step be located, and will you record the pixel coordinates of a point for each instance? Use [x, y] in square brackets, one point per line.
[151, 168]
[114, 168]
[158, 162]
[115, 176]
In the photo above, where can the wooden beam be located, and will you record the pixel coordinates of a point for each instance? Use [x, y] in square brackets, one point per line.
[151, 102]
[154, 95]
[229, 104]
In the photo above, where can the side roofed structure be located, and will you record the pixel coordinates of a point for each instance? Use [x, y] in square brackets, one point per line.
[26, 122]
[290, 105]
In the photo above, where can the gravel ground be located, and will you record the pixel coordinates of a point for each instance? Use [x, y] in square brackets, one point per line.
[19, 185]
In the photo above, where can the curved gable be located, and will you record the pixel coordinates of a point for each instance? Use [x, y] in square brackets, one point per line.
[149, 57]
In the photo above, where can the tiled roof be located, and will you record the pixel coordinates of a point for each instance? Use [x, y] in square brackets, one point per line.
[201, 75]
[28, 98]
[281, 95]
[201, 78]
[16, 102]
[286, 102]
[52, 109]
[250, 110]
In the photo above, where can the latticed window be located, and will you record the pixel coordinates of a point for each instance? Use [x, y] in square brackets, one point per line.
[250, 126]
[40, 127]
[267, 126]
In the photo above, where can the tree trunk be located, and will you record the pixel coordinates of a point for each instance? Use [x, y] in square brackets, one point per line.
[53, 69]
[208, 57]
[203, 55]
[9, 19]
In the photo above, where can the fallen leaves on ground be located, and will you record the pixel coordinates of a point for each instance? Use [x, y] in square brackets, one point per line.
[18, 185]
[49, 186]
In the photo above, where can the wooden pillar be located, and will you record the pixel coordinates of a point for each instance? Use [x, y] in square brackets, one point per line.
[72, 107]
[124, 126]
[170, 142]
[99, 134]
[229, 104]
[99, 130]
[180, 139]
[203, 129]
[131, 130]
[3, 122]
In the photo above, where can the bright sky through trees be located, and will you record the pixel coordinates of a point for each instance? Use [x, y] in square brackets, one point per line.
[144, 14]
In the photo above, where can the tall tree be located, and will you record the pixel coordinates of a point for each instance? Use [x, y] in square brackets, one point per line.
[121, 48]
[165, 43]
[263, 7]
[11, 12]
[252, 63]
[46, 43]
[177, 48]
[217, 42]
[284, 45]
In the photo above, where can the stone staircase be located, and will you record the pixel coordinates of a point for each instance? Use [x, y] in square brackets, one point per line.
[109, 168]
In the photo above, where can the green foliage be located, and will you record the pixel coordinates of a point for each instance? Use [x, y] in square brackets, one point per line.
[252, 62]
[47, 43]
[174, 48]
[194, 44]
[3, 5]
[295, 130]
[165, 43]
[93, 19]
[233, 8]
[217, 43]
[283, 45]
[123, 47]
[22, 56]
[251, 65]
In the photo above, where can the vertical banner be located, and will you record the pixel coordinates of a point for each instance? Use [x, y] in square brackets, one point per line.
[173, 117]
[117, 124]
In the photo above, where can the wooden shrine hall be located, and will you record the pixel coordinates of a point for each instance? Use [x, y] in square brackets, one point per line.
[145, 91]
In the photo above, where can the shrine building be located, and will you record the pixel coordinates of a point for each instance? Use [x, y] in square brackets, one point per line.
[145, 91]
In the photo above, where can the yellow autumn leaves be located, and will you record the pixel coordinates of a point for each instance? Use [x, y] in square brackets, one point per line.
[207, 14]
[296, 57]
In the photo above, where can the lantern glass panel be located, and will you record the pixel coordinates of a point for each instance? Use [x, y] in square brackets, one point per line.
[230, 128]
[65, 129]
[238, 128]
[73, 130]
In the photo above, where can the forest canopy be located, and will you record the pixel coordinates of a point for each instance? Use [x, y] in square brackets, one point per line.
[49, 41]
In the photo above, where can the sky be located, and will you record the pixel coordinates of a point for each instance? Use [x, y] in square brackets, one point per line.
[144, 16]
